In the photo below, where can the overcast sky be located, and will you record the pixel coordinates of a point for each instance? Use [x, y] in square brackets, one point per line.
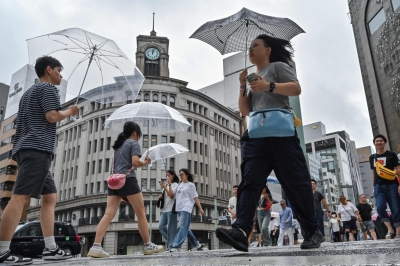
[326, 58]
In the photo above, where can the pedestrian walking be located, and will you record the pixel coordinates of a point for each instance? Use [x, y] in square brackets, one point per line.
[365, 210]
[335, 225]
[286, 216]
[318, 198]
[276, 82]
[273, 229]
[33, 150]
[185, 198]
[127, 155]
[386, 186]
[349, 214]
[264, 216]
[232, 204]
[168, 220]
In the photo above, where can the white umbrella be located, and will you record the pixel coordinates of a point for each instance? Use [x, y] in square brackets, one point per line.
[164, 150]
[161, 117]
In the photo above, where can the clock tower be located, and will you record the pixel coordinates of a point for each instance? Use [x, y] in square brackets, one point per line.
[152, 54]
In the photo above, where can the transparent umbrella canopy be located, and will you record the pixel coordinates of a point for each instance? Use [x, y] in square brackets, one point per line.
[94, 66]
[163, 151]
[161, 118]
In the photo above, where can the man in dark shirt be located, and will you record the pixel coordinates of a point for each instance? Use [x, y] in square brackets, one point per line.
[386, 190]
[365, 212]
[33, 149]
[318, 198]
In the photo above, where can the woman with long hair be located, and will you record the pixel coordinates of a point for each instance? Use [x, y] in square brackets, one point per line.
[347, 211]
[127, 155]
[276, 81]
[186, 196]
[168, 219]
[264, 216]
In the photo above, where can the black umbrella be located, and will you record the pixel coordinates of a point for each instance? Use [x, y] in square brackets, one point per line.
[235, 33]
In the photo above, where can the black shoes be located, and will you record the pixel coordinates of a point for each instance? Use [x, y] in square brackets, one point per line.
[9, 259]
[234, 237]
[312, 240]
[55, 254]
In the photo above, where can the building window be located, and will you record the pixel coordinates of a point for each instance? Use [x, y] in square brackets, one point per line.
[153, 166]
[376, 21]
[164, 139]
[96, 125]
[195, 167]
[189, 128]
[188, 105]
[189, 144]
[201, 168]
[206, 172]
[172, 101]
[95, 146]
[107, 169]
[201, 148]
[147, 97]
[145, 141]
[189, 165]
[89, 147]
[152, 184]
[87, 168]
[195, 127]
[138, 98]
[100, 165]
[153, 140]
[195, 146]
[217, 173]
[163, 99]
[172, 163]
[108, 143]
[129, 98]
[155, 97]
[171, 139]
[144, 184]
[101, 144]
[164, 164]
[93, 167]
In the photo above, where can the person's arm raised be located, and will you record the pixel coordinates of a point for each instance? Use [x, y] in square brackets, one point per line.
[54, 116]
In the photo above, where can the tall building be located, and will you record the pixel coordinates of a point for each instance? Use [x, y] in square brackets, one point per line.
[365, 170]
[3, 100]
[375, 26]
[83, 155]
[338, 155]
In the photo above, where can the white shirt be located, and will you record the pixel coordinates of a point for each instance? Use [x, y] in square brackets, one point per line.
[346, 211]
[168, 202]
[232, 204]
[335, 224]
[272, 224]
[185, 194]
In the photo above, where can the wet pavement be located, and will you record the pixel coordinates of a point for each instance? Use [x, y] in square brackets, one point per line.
[382, 252]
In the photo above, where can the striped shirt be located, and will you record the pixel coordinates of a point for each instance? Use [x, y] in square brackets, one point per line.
[33, 131]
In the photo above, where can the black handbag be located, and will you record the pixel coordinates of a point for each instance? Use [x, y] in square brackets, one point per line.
[160, 202]
[174, 206]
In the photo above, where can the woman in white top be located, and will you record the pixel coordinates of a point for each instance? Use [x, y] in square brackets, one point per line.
[334, 224]
[346, 211]
[168, 219]
[185, 196]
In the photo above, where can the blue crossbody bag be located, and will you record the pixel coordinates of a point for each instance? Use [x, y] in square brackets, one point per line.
[271, 122]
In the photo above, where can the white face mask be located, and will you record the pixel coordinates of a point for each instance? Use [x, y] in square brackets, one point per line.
[334, 216]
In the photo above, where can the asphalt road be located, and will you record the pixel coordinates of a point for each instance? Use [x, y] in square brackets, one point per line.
[347, 253]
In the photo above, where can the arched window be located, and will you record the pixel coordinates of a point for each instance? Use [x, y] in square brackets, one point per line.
[155, 97]
[164, 99]
[138, 98]
[129, 98]
[172, 101]
[147, 97]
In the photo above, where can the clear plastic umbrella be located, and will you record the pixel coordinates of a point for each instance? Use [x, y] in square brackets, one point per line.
[161, 118]
[95, 67]
[163, 151]
[272, 180]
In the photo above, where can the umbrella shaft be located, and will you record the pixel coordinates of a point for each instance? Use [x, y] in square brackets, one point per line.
[84, 78]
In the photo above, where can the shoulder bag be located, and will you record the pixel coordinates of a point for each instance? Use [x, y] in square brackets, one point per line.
[117, 181]
[384, 172]
[160, 202]
[174, 206]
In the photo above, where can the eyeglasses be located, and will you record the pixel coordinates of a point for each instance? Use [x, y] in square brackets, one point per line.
[182, 174]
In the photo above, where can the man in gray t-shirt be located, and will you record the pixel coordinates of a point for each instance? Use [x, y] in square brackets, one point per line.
[123, 157]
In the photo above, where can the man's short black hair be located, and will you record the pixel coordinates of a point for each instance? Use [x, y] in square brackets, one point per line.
[380, 136]
[43, 62]
[313, 180]
[362, 195]
[236, 186]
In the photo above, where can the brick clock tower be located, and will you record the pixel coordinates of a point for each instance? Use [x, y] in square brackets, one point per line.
[152, 54]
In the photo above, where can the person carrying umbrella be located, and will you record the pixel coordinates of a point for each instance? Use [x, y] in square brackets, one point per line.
[33, 149]
[126, 158]
[276, 82]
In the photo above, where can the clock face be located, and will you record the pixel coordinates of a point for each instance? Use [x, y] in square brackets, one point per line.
[152, 53]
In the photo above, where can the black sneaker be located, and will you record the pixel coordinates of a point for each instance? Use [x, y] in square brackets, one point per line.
[234, 237]
[312, 240]
[55, 254]
[9, 259]
[392, 235]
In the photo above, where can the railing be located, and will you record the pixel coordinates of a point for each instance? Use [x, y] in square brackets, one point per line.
[124, 217]
[95, 220]
[84, 221]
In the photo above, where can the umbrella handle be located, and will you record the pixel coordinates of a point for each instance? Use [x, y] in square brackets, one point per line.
[77, 118]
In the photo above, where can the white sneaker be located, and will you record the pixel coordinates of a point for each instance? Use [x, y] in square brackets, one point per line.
[175, 250]
[152, 248]
[10, 259]
[98, 252]
[55, 254]
[198, 247]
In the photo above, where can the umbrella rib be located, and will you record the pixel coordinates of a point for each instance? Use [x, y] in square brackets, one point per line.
[86, 57]
[67, 49]
[96, 59]
[72, 40]
[77, 40]
[103, 50]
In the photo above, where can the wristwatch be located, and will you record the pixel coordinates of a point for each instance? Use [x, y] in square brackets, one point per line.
[271, 86]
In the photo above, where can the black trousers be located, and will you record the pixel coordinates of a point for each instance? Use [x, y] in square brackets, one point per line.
[285, 156]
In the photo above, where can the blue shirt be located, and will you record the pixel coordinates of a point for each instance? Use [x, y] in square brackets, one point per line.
[286, 216]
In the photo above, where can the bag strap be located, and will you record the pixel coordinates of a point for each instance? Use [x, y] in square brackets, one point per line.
[347, 211]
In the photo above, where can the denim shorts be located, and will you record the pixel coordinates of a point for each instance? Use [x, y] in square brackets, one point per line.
[368, 225]
[34, 178]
